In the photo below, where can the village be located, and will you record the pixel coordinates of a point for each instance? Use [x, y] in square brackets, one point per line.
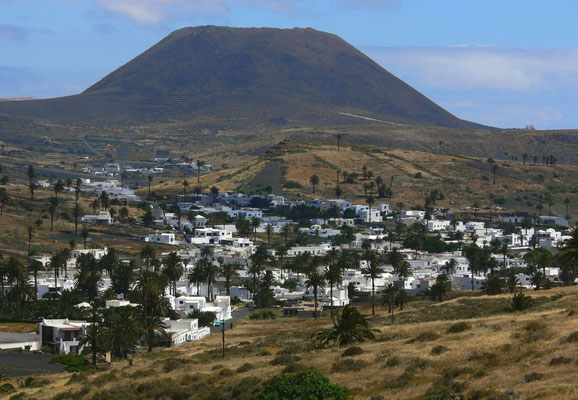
[235, 252]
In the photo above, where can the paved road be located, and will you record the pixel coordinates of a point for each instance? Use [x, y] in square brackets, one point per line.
[157, 211]
[237, 315]
[23, 364]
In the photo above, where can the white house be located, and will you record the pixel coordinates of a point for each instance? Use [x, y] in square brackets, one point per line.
[103, 218]
[184, 330]
[161, 238]
[62, 335]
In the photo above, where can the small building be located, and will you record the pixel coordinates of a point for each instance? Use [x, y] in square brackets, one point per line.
[184, 330]
[301, 312]
[103, 218]
[62, 335]
[161, 238]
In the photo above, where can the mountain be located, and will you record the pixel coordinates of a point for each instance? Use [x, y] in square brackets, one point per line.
[253, 74]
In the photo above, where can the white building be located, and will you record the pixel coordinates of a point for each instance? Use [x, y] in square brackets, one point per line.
[103, 218]
[62, 335]
[184, 330]
[161, 238]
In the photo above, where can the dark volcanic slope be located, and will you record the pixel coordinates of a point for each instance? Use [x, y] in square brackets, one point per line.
[220, 72]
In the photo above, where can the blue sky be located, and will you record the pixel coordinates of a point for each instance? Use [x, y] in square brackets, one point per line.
[504, 63]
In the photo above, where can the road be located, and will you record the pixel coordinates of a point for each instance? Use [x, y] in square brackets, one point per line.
[157, 211]
[22, 364]
[237, 315]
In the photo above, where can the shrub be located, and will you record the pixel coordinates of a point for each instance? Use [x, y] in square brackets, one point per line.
[573, 337]
[439, 349]
[174, 363]
[245, 367]
[306, 384]
[72, 362]
[265, 314]
[560, 361]
[392, 362]
[284, 359]
[292, 185]
[459, 327]
[293, 367]
[519, 302]
[534, 376]
[425, 337]
[226, 372]
[352, 351]
[348, 365]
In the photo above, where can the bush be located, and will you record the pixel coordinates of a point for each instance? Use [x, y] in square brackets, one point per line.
[292, 185]
[519, 302]
[392, 362]
[348, 365]
[293, 367]
[439, 349]
[352, 351]
[573, 337]
[174, 363]
[306, 384]
[425, 337]
[285, 359]
[245, 367]
[226, 372]
[265, 314]
[459, 327]
[534, 376]
[560, 361]
[72, 362]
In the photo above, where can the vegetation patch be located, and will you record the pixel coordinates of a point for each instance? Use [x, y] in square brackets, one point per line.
[307, 384]
[439, 349]
[352, 351]
[348, 365]
[459, 327]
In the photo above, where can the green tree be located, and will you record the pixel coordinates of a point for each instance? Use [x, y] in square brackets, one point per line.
[173, 269]
[230, 271]
[349, 326]
[88, 279]
[52, 209]
[390, 293]
[372, 271]
[34, 267]
[316, 281]
[31, 181]
[314, 181]
[153, 328]
[97, 338]
[84, 233]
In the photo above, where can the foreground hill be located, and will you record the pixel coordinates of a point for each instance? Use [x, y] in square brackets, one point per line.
[469, 346]
[256, 75]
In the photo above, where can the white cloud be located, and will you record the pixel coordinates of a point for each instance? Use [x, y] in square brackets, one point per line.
[512, 69]
[153, 12]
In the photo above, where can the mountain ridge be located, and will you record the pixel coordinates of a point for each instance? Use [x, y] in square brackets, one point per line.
[298, 76]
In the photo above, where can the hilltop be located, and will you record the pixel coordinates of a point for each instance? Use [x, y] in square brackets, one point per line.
[254, 76]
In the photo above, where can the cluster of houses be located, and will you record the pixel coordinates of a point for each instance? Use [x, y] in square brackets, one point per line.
[189, 231]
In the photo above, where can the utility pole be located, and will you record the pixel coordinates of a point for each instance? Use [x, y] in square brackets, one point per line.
[223, 331]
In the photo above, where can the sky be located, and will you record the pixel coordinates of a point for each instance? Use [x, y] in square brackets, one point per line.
[504, 63]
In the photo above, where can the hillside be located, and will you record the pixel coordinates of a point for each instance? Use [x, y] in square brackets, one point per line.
[431, 352]
[255, 75]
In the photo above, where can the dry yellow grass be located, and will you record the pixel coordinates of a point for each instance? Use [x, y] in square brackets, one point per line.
[495, 355]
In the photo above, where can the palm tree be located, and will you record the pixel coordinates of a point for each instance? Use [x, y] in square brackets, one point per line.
[334, 278]
[35, 267]
[148, 254]
[372, 271]
[52, 209]
[173, 269]
[4, 199]
[77, 190]
[440, 288]
[269, 232]
[95, 204]
[185, 186]
[96, 337]
[58, 187]
[30, 236]
[199, 165]
[196, 276]
[286, 231]
[314, 181]
[210, 273]
[315, 280]
[230, 271]
[31, 178]
[338, 191]
[349, 326]
[450, 266]
[494, 171]
[150, 179]
[524, 158]
[566, 203]
[150, 287]
[389, 294]
[370, 201]
[338, 141]
[76, 213]
[255, 222]
[569, 255]
[152, 327]
[404, 271]
[22, 290]
[89, 276]
[84, 233]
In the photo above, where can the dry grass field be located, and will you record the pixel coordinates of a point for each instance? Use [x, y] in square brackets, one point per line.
[528, 355]
[462, 180]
